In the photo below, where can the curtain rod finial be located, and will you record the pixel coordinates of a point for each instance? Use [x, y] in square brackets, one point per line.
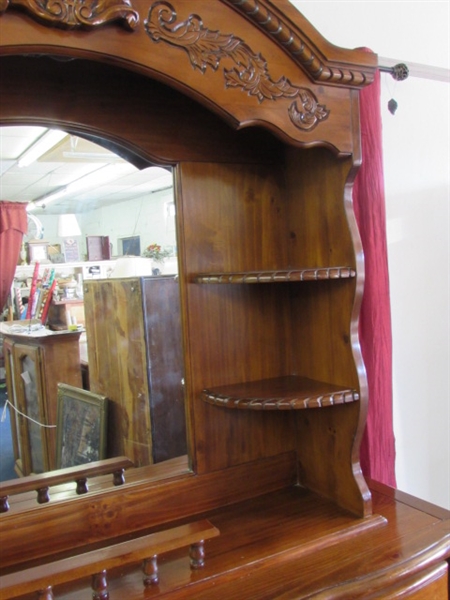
[400, 72]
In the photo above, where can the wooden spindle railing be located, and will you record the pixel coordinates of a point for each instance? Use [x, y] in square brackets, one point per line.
[95, 564]
[79, 474]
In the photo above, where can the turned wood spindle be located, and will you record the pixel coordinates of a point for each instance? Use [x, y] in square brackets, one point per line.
[4, 504]
[150, 570]
[100, 586]
[43, 495]
[197, 555]
[82, 486]
[46, 594]
[119, 477]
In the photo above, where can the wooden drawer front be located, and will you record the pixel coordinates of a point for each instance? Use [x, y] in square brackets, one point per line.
[431, 584]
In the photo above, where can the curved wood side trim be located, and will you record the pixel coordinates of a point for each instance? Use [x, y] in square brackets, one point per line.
[409, 575]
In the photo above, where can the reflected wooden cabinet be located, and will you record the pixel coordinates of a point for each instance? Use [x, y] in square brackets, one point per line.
[34, 367]
[134, 345]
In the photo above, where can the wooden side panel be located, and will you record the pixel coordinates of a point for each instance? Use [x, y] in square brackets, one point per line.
[233, 218]
[118, 364]
[162, 317]
[324, 318]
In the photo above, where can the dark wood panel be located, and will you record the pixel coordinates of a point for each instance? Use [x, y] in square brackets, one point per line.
[118, 366]
[162, 317]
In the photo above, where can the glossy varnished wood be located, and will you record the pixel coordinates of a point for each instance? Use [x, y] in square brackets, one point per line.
[171, 85]
[292, 545]
[281, 393]
[100, 561]
[156, 496]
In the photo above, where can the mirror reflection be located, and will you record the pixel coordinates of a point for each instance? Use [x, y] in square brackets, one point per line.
[99, 267]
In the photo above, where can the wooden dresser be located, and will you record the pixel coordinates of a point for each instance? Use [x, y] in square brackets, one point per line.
[34, 367]
[258, 115]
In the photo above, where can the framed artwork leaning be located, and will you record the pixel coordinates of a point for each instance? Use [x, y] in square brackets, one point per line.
[81, 426]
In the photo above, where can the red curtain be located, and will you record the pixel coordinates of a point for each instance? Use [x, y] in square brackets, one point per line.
[378, 444]
[13, 224]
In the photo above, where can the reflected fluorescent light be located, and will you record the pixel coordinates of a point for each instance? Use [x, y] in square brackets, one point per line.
[47, 199]
[95, 178]
[40, 147]
[104, 157]
[106, 173]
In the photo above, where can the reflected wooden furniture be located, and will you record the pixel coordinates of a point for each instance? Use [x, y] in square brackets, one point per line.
[98, 247]
[63, 313]
[79, 474]
[34, 366]
[135, 354]
[259, 117]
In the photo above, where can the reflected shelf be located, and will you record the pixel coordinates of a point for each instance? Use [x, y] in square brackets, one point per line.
[280, 393]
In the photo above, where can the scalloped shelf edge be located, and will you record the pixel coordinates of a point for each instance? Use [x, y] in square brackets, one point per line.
[281, 393]
[288, 275]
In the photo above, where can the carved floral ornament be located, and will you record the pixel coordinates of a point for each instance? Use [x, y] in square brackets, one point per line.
[72, 14]
[207, 48]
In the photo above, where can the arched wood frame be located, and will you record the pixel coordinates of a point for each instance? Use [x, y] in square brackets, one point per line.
[259, 66]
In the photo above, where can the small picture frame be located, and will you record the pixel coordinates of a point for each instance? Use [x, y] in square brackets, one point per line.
[37, 251]
[81, 426]
[131, 246]
[71, 252]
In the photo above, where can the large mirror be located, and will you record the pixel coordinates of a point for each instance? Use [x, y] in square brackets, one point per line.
[124, 237]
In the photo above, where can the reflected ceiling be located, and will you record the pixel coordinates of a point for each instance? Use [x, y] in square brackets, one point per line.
[82, 175]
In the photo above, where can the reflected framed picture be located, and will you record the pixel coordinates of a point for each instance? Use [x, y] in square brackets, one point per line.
[81, 426]
[37, 251]
[131, 246]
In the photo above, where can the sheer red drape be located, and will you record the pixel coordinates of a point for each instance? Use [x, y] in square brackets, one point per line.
[378, 444]
[13, 224]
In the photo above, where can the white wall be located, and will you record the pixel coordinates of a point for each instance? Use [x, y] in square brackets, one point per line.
[416, 164]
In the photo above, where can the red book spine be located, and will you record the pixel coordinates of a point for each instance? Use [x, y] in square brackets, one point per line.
[47, 302]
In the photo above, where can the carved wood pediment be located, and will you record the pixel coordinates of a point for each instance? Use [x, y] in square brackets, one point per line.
[249, 71]
[302, 49]
[71, 14]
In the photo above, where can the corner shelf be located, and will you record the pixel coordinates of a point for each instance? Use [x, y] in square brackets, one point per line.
[280, 393]
[288, 275]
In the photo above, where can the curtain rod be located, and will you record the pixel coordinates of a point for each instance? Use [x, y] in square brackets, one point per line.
[400, 71]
